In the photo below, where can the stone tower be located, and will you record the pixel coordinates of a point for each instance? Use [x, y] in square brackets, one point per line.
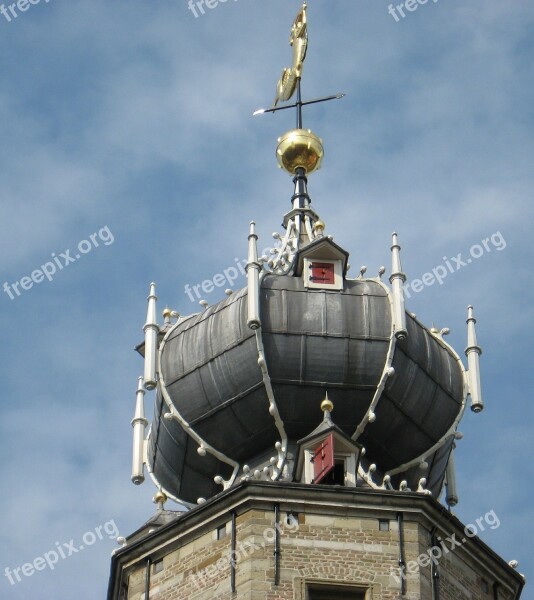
[307, 423]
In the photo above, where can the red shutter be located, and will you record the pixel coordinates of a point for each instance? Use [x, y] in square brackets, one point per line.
[322, 273]
[323, 459]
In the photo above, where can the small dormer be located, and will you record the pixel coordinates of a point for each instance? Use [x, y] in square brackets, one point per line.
[322, 264]
[327, 455]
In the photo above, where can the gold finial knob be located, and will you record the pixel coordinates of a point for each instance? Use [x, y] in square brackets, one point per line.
[160, 498]
[327, 404]
[319, 227]
[167, 312]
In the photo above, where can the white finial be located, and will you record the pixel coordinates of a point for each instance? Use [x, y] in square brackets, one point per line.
[473, 352]
[253, 279]
[451, 495]
[151, 330]
[139, 424]
[397, 280]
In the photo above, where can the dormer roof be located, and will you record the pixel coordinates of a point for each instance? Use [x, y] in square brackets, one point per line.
[322, 248]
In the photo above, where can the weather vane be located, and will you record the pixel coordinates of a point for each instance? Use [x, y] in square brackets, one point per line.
[298, 148]
[299, 41]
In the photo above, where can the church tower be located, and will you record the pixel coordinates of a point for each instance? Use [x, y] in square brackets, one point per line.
[307, 422]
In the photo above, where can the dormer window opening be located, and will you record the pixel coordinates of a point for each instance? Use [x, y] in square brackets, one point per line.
[327, 456]
[322, 272]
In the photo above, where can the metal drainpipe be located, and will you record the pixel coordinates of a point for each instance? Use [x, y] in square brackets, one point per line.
[233, 554]
[147, 579]
[522, 585]
[434, 568]
[402, 557]
[122, 585]
[276, 545]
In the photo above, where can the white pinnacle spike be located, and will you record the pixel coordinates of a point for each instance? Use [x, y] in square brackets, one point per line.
[473, 352]
[253, 279]
[450, 482]
[151, 330]
[397, 279]
[139, 424]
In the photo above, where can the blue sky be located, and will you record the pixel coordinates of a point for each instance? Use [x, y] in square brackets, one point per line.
[135, 116]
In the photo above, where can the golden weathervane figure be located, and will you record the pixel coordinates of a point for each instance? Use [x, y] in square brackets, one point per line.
[299, 40]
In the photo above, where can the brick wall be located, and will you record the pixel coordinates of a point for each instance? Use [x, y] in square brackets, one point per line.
[334, 544]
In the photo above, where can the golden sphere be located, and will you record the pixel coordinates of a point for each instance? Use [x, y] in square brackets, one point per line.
[299, 148]
[160, 498]
[327, 405]
[319, 226]
[167, 312]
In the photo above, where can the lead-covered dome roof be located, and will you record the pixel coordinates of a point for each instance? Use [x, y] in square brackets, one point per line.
[312, 340]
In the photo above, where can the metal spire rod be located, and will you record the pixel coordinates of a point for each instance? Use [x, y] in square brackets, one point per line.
[299, 104]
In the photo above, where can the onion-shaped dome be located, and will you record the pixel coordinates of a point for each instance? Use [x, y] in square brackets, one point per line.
[310, 340]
